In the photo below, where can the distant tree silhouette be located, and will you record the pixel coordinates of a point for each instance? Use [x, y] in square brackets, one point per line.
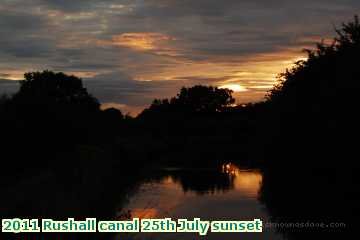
[113, 113]
[196, 99]
[111, 118]
[204, 98]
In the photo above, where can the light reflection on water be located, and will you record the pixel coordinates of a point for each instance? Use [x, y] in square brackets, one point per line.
[226, 194]
[245, 181]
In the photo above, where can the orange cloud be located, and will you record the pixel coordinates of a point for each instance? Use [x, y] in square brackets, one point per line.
[142, 41]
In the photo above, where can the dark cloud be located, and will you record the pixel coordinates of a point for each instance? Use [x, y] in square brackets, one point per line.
[119, 87]
[27, 48]
[196, 41]
[68, 5]
[20, 22]
[24, 34]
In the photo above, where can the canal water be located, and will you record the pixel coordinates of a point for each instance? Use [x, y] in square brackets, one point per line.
[229, 193]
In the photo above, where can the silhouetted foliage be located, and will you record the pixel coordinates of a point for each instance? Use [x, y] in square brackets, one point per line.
[55, 88]
[113, 113]
[58, 151]
[203, 99]
[329, 72]
[196, 99]
[312, 155]
[317, 96]
[51, 114]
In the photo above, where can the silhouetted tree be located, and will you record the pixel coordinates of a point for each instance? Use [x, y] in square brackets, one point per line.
[55, 88]
[317, 96]
[113, 113]
[52, 113]
[315, 119]
[196, 99]
[204, 98]
[112, 119]
[330, 71]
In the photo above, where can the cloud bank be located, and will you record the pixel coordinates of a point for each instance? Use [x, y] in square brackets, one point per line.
[131, 51]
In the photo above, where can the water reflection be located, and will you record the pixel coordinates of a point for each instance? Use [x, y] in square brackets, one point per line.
[248, 182]
[228, 193]
[203, 182]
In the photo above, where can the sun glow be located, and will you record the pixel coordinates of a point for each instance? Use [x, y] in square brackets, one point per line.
[234, 87]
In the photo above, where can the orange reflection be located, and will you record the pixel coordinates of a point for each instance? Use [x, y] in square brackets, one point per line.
[248, 182]
[144, 213]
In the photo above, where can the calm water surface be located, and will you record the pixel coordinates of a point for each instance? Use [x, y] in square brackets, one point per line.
[229, 193]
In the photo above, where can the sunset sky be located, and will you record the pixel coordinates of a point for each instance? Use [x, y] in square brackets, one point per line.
[131, 51]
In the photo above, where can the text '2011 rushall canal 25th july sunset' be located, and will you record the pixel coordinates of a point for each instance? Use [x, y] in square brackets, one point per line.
[166, 225]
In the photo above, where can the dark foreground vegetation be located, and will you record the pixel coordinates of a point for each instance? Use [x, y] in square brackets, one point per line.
[61, 153]
[311, 172]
